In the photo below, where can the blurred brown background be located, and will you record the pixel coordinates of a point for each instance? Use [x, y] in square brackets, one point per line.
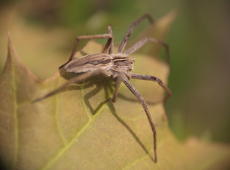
[199, 40]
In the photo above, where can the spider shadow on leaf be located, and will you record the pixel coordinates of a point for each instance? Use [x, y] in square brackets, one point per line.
[110, 104]
[123, 97]
[107, 86]
[101, 83]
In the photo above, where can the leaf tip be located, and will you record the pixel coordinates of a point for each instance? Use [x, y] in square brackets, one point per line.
[166, 20]
[10, 48]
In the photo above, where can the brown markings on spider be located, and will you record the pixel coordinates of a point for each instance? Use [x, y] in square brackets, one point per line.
[117, 66]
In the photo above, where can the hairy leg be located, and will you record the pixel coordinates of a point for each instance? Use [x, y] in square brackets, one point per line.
[143, 41]
[131, 28]
[117, 86]
[152, 78]
[87, 37]
[144, 104]
[78, 79]
[109, 44]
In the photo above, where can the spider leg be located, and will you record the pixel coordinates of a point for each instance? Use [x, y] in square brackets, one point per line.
[73, 80]
[87, 37]
[117, 86]
[144, 105]
[155, 79]
[109, 44]
[145, 40]
[131, 28]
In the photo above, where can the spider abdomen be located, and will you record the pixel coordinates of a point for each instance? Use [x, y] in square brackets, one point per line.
[88, 63]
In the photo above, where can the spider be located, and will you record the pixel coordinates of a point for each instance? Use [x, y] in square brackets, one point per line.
[116, 66]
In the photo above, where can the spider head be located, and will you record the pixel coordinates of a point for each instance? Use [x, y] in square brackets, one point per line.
[123, 63]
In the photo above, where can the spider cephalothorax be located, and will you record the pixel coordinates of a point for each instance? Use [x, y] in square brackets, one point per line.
[117, 66]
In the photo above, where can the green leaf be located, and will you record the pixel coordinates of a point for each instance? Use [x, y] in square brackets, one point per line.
[77, 129]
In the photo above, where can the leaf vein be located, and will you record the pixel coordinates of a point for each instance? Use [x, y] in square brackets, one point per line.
[57, 124]
[62, 150]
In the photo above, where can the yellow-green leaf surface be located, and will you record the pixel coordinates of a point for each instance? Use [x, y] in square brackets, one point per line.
[78, 130]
